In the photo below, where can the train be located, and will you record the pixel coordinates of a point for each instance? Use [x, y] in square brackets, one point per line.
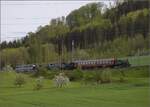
[26, 68]
[82, 64]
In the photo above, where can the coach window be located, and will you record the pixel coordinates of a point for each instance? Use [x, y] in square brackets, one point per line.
[110, 62]
[93, 62]
[97, 62]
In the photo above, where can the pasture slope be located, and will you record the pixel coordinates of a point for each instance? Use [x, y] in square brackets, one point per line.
[133, 93]
[138, 60]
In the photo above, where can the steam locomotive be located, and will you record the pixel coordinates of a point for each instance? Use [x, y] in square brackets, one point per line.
[83, 64]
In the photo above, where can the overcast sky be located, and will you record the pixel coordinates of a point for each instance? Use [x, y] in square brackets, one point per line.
[20, 17]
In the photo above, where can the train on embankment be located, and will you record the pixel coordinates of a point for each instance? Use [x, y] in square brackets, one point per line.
[82, 64]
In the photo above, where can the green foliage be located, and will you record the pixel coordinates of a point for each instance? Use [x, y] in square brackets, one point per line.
[92, 76]
[116, 32]
[35, 50]
[39, 83]
[98, 76]
[83, 15]
[14, 56]
[131, 23]
[61, 80]
[88, 77]
[41, 71]
[19, 80]
[52, 73]
[106, 76]
[8, 68]
[75, 75]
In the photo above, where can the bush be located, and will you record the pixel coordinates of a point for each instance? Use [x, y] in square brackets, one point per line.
[88, 76]
[51, 74]
[8, 68]
[41, 71]
[97, 76]
[122, 79]
[39, 83]
[106, 76]
[74, 75]
[19, 80]
[92, 77]
[61, 80]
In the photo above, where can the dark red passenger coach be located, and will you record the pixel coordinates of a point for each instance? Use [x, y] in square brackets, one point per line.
[100, 63]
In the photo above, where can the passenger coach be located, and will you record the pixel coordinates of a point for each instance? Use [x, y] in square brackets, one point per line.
[26, 68]
[101, 63]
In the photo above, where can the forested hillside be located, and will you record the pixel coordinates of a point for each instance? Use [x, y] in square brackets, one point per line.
[89, 32]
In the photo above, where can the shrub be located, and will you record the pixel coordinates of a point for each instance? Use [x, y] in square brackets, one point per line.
[97, 76]
[106, 76]
[51, 74]
[74, 75]
[41, 71]
[60, 80]
[8, 68]
[39, 83]
[88, 77]
[19, 80]
[92, 77]
[122, 79]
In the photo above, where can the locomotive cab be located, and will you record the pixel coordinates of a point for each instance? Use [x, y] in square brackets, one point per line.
[122, 63]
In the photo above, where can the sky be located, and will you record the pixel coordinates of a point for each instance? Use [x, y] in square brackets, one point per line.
[20, 17]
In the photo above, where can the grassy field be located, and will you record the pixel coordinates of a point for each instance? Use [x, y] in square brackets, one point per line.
[138, 60]
[133, 93]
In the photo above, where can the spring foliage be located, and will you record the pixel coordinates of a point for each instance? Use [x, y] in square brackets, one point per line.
[39, 83]
[19, 80]
[121, 30]
[60, 80]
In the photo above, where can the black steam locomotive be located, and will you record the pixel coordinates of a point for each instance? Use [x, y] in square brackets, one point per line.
[83, 64]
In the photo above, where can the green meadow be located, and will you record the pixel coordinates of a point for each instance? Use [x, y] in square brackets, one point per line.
[138, 60]
[134, 92]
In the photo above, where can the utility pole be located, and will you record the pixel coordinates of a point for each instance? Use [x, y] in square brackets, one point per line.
[72, 54]
[0, 43]
[62, 51]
